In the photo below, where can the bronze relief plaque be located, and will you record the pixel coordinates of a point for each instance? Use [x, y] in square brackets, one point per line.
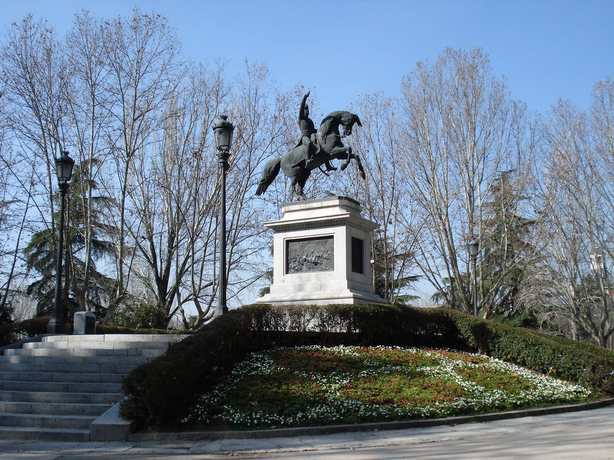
[310, 255]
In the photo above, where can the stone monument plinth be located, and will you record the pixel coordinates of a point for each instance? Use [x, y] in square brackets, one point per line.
[322, 254]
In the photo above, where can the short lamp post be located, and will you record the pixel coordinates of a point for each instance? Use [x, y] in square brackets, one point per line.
[223, 139]
[598, 267]
[473, 247]
[63, 169]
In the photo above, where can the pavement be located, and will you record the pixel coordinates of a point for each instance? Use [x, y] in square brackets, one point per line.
[575, 435]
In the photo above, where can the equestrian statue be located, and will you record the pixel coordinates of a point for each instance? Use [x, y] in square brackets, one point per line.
[313, 150]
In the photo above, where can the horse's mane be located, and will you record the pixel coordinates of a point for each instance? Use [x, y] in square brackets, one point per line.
[328, 119]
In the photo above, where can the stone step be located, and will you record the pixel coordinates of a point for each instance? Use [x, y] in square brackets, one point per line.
[44, 434]
[46, 408]
[80, 422]
[64, 387]
[50, 376]
[112, 368]
[85, 353]
[114, 338]
[72, 360]
[98, 345]
[60, 397]
[103, 364]
[53, 390]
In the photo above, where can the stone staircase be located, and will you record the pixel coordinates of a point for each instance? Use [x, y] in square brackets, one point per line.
[54, 389]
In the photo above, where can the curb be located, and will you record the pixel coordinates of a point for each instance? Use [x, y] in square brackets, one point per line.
[377, 426]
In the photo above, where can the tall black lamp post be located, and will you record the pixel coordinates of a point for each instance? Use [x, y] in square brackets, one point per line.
[598, 267]
[474, 246]
[63, 169]
[223, 139]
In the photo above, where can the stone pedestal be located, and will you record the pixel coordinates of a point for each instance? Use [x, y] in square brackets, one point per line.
[322, 254]
[84, 323]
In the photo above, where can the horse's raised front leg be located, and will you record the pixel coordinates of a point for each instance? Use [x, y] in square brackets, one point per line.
[349, 156]
[342, 153]
[361, 170]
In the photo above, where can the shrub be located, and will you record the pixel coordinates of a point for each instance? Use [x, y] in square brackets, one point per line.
[162, 391]
[114, 329]
[10, 333]
[7, 334]
[137, 315]
[26, 328]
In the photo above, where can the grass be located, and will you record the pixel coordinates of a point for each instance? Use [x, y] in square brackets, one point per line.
[319, 385]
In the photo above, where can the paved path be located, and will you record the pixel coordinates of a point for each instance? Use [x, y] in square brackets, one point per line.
[576, 435]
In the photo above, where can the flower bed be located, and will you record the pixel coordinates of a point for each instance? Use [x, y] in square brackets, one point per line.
[344, 384]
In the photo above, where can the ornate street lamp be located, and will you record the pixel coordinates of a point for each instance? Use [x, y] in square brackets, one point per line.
[597, 264]
[473, 246]
[63, 169]
[598, 267]
[223, 139]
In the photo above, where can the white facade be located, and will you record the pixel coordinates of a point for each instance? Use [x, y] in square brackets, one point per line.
[349, 279]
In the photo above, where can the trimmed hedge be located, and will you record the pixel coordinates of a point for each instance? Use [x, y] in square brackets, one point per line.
[10, 333]
[161, 392]
[113, 329]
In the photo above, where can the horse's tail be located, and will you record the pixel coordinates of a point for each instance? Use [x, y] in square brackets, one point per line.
[271, 170]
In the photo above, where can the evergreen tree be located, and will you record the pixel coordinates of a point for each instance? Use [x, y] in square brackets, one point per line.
[391, 280]
[505, 254]
[41, 251]
[505, 250]
[6, 313]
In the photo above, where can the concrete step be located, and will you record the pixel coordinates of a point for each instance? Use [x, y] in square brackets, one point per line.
[44, 434]
[168, 338]
[79, 422]
[45, 408]
[60, 397]
[72, 360]
[98, 345]
[65, 387]
[103, 364]
[53, 390]
[86, 353]
[50, 376]
[116, 368]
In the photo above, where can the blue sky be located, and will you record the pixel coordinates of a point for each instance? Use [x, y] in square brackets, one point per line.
[341, 49]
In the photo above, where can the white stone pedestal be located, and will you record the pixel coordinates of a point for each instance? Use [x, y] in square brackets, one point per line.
[321, 254]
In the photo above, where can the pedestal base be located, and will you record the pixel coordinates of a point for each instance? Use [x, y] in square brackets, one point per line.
[84, 323]
[321, 254]
[323, 298]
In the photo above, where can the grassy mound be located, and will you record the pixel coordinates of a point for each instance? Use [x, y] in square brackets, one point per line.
[162, 392]
[324, 385]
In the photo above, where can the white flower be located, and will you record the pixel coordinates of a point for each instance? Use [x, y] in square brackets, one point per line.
[215, 406]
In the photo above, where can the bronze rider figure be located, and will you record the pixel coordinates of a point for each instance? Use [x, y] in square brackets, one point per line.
[308, 135]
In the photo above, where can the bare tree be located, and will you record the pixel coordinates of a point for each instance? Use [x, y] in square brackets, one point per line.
[88, 118]
[33, 76]
[141, 55]
[32, 79]
[576, 219]
[384, 196]
[171, 198]
[461, 129]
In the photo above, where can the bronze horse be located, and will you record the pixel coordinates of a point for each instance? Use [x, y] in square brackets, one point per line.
[329, 147]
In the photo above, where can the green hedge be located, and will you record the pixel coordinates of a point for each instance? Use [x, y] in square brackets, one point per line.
[161, 392]
[10, 333]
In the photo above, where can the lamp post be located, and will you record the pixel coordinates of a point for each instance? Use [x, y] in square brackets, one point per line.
[473, 247]
[223, 139]
[598, 267]
[63, 169]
